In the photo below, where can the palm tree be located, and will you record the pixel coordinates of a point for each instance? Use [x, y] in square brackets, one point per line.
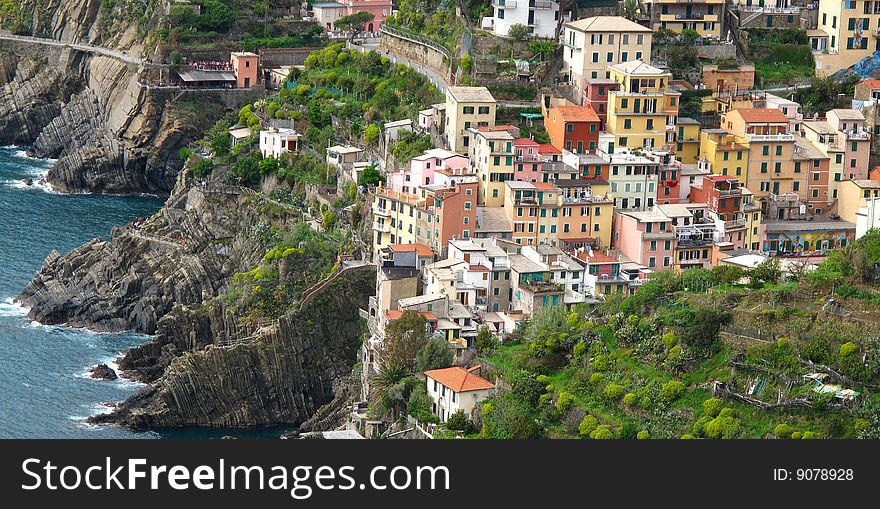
[630, 9]
[387, 377]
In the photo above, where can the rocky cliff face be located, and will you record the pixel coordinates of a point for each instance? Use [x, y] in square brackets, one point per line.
[109, 133]
[180, 256]
[209, 376]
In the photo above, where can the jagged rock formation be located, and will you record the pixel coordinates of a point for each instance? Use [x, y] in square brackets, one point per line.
[283, 375]
[108, 133]
[182, 255]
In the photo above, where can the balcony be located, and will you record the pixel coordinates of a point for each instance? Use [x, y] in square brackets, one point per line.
[729, 192]
[540, 4]
[784, 197]
[667, 235]
[542, 287]
[734, 224]
[379, 227]
[759, 138]
[770, 10]
[379, 211]
[504, 4]
[526, 158]
[858, 135]
[692, 262]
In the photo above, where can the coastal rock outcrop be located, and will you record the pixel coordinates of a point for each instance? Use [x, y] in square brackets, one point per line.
[103, 372]
[182, 255]
[214, 373]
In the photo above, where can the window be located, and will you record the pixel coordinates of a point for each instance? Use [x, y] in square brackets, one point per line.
[569, 127]
[595, 57]
[610, 57]
[763, 167]
[484, 110]
[652, 262]
[779, 150]
[467, 205]
[765, 150]
[627, 124]
[468, 110]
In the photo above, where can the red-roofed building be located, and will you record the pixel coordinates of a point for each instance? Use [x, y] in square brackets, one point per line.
[456, 388]
[549, 152]
[602, 276]
[395, 314]
[573, 128]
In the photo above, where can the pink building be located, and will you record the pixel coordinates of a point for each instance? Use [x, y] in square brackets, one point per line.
[647, 238]
[326, 13]
[245, 65]
[527, 166]
[422, 170]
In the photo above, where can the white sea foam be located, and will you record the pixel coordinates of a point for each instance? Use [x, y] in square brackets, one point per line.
[38, 183]
[10, 308]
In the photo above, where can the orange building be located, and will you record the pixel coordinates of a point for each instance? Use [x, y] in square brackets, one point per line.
[573, 128]
[245, 65]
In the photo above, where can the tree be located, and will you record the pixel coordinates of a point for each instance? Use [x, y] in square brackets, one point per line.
[389, 375]
[370, 176]
[371, 133]
[436, 354]
[219, 139]
[699, 328]
[466, 64]
[355, 22]
[404, 338]
[768, 271]
[216, 16]
[543, 48]
[486, 342]
[629, 9]
[518, 32]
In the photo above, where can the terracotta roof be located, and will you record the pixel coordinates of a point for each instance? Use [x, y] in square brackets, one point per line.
[762, 115]
[546, 148]
[872, 84]
[420, 249]
[577, 113]
[544, 186]
[459, 379]
[394, 314]
[596, 258]
[478, 268]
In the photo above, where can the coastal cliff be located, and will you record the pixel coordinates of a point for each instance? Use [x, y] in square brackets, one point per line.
[182, 255]
[108, 132]
[281, 374]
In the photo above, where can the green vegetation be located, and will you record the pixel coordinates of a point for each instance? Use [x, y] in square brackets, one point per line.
[644, 366]
[825, 94]
[431, 19]
[298, 258]
[781, 56]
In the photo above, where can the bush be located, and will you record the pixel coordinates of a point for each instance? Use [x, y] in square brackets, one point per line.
[808, 435]
[588, 425]
[643, 435]
[518, 32]
[459, 422]
[712, 407]
[722, 427]
[630, 399]
[782, 431]
[565, 402]
[203, 168]
[596, 378]
[671, 391]
[796, 435]
[602, 432]
[613, 391]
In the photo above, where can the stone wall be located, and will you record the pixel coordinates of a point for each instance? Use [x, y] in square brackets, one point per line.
[415, 52]
[277, 57]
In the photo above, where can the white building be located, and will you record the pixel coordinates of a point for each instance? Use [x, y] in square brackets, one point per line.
[276, 141]
[456, 388]
[541, 16]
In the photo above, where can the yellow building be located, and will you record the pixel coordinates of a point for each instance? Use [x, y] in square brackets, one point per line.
[394, 218]
[687, 140]
[492, 157]
[724, 155]
[466, 108]
[640, 111]
[592, 44]
[770, 164]
[854, 195]
[847, 32]
[704, 16]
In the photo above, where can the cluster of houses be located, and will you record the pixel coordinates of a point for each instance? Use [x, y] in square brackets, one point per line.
[492, 227]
